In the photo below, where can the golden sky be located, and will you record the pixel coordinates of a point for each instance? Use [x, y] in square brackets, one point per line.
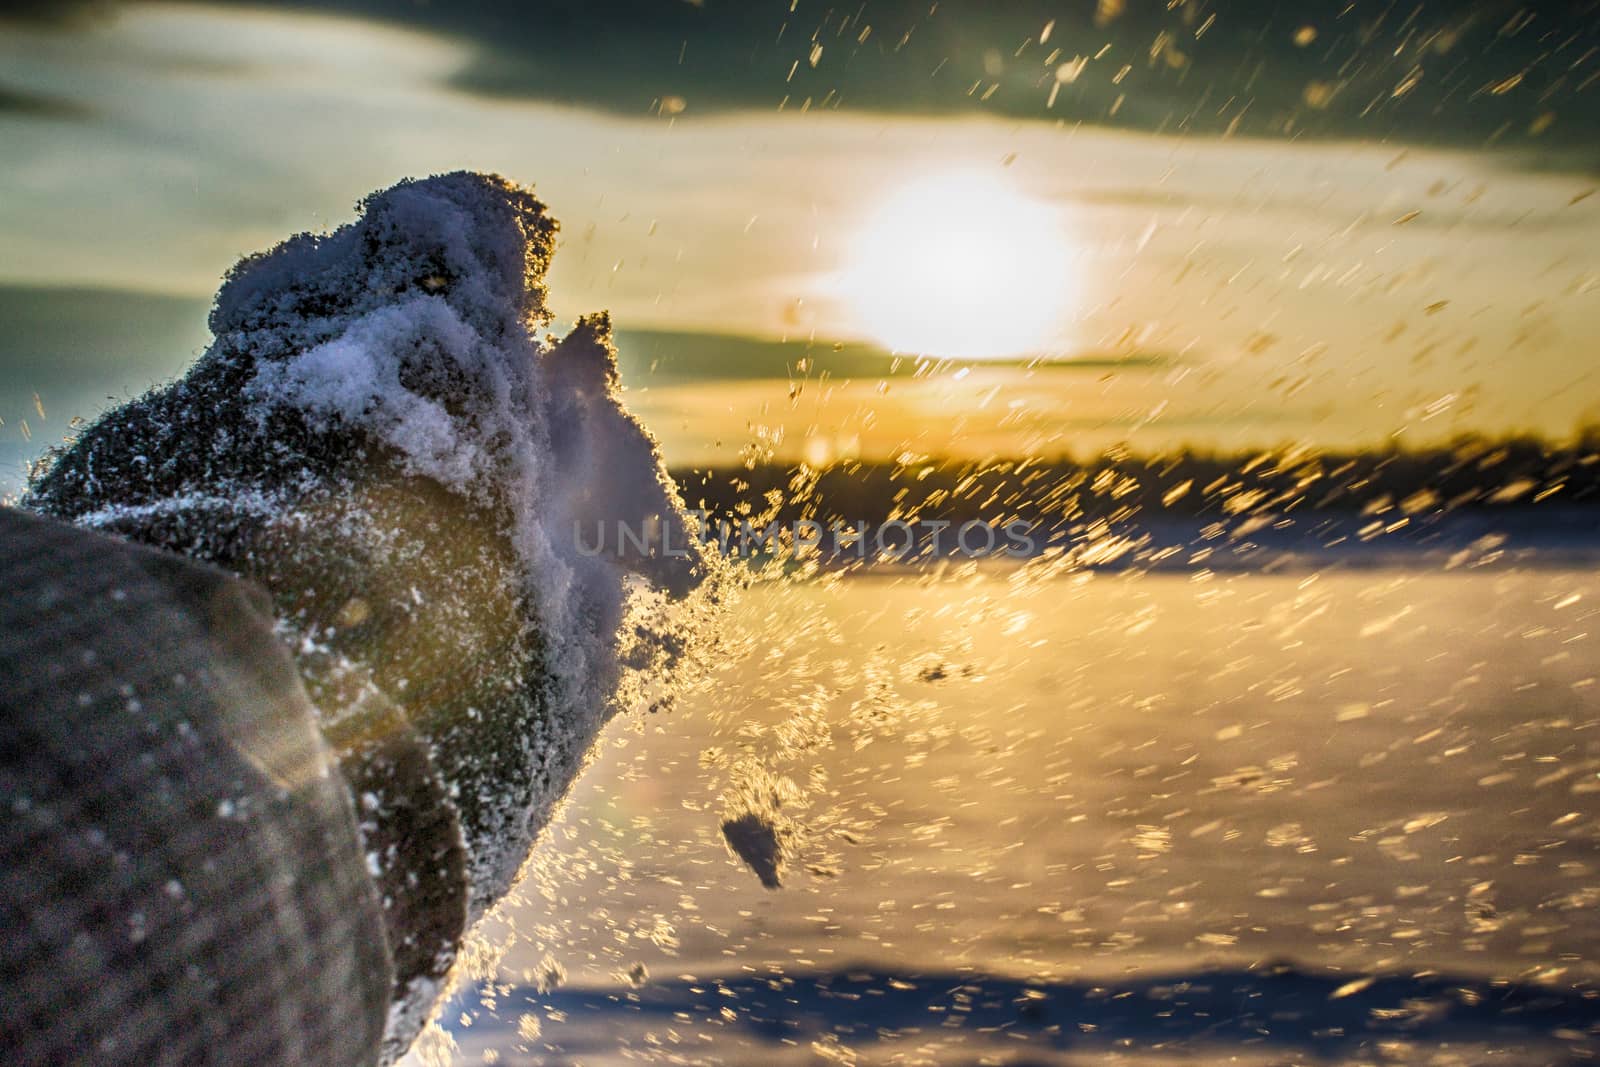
[1270, 290]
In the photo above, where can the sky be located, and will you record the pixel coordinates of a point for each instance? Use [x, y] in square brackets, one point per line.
[882, 230]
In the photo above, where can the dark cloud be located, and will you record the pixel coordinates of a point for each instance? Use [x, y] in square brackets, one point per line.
[75, 352]
[56, 12]
[18, 102]
[1516, 75]
[667, 357]
[80, 347]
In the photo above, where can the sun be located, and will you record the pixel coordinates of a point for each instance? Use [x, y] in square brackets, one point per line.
[961, 264]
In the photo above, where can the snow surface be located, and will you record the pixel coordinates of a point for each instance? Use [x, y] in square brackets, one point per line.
[1080, 817]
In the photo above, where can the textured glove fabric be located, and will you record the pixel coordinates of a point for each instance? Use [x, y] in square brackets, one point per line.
[181, 876]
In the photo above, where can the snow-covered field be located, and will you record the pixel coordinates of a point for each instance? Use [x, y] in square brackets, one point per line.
[1035, 818]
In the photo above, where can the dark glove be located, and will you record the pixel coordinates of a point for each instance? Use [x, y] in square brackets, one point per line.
[181, 880]
[379, 438]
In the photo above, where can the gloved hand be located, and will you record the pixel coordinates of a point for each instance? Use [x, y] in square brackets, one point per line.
[380, 439]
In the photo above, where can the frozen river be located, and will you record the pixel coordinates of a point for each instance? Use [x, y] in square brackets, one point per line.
[1036, 818]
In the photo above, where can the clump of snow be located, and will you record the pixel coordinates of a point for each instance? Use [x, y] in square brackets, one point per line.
[757, 825]
[439, 362]
[353, 380]
[757, 839]
[379, 420]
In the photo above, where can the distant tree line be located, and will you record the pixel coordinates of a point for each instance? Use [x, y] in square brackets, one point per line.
[1471, 474]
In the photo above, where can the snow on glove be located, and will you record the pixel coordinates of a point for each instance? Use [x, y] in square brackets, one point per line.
[379, 437]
